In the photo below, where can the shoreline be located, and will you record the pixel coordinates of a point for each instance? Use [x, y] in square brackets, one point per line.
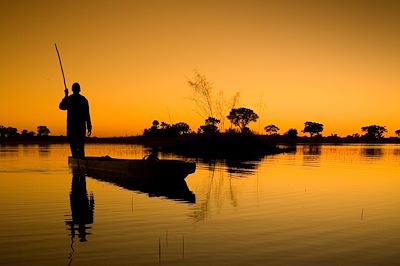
[161, 141]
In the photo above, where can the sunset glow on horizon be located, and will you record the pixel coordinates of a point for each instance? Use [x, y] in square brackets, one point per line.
[332, 62]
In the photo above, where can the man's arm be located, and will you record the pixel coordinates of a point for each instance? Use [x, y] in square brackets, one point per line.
[88, 121]
[64, 102]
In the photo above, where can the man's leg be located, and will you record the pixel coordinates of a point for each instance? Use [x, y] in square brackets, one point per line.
[73, 146]
[81, 146]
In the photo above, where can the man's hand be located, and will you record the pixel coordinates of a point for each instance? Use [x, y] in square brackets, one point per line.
[66, 92]
[89, 132]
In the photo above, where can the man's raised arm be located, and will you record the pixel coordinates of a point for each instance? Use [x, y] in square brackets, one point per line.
[64, 102]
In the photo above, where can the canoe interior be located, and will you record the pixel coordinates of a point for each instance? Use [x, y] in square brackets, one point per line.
[137, 168]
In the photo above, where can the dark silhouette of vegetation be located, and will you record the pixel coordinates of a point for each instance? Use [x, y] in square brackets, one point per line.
[292, 133]
[271, 130]
[372, 152]
[3, 131]
[210, 126]
[223, 145]
[155, 125]
[333, 136]
[8, 132]
[202, 94]
[313, 128]
[43, 131]
[374, 131]
[12, 133]
[241, 117]
[312, 149]
[209, 104]
[181, 128]
[165, 129]
[27, 134]
[397, 132]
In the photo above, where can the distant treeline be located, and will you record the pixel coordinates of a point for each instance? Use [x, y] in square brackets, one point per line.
[8, 132]
[241, 117]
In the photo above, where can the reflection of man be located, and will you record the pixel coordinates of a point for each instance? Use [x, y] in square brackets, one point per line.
[78, 118]
[82, 206]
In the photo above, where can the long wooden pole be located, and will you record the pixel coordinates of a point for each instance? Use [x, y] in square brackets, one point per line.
[62, 70]
[66, 94]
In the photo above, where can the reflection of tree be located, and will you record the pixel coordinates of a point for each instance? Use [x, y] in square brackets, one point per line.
[311, 154]
[232, 194]
[44, 149]
[312, 149]
[82, 207]
[201, 210]
[242, 166]
[219, 188]
[372, 152]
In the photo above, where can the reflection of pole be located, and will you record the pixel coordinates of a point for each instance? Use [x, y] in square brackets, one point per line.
[159, 250]
[183, 246]
[70, 255]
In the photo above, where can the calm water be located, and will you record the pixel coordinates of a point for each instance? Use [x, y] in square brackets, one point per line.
[320, 205]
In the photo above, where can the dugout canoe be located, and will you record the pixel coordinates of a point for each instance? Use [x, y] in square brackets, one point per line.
[140, 169]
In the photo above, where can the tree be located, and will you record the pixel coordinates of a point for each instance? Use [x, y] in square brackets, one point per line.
[210, 126]
[165, 126]
[153, 130]
[165, 129]
[397, 132]
[155, 124]
[180, 128]
[3, 131]
[202, 94]
[313, 128]
[43, 131]
[8, 132]
[291, 133]
[27, 134]
[271, 130]
[209, 103]
[374, 131]
[12, 132]
[241, 117]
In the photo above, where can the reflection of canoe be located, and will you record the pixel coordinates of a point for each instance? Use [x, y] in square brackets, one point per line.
[136, 168]
[172, 189]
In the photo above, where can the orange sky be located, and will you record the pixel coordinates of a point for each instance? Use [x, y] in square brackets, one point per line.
[332, 62]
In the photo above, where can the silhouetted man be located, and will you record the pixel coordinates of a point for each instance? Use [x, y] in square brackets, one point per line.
[78, 118]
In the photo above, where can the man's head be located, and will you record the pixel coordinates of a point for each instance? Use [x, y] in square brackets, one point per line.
[76, 88]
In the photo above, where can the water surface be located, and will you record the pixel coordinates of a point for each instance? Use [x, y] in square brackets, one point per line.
[326, 205]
